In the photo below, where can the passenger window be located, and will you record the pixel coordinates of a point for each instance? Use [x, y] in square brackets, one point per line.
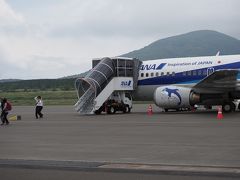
[157, 74]
[146, 74]
[199, 72]
[184, 73]
[205, 72]
[194, 73]
[152, 74]
[162, 73]
[173, 73]
[168, 73]
[189, 73]
[142, 74]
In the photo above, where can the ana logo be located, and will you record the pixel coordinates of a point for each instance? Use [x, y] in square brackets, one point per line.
[152, 66]
[173, 91]
[126, 83]
[148, 67]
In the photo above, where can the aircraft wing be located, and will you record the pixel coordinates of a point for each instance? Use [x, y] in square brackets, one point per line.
[220, 81]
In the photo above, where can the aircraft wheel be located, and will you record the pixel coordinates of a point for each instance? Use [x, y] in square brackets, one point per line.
[228, 107]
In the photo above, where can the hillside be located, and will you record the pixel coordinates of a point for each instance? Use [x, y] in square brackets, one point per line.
[38, 84]
[76, 75]
[197, 43]
[9, 80]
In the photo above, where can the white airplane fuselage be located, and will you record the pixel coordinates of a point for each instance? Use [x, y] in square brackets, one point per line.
[184, 72]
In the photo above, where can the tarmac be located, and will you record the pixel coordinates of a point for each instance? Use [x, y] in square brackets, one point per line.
[182, 143]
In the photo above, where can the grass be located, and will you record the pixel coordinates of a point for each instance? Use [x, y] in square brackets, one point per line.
[49, 97]
[22, 98]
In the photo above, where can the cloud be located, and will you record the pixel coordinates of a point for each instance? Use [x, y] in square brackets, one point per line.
[49, 39]
[7, 16]
[145, 18]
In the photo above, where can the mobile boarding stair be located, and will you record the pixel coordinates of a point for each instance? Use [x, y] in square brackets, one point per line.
[107, 75]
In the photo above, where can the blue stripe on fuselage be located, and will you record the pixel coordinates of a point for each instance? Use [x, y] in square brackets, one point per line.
[179, 78]
[161, 66]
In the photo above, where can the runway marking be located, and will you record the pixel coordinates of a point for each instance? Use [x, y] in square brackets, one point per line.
[122, 167]
[185, 169]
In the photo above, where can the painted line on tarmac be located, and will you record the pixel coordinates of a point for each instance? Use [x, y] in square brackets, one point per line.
[176, 169]
[123, 167]
[49, 164]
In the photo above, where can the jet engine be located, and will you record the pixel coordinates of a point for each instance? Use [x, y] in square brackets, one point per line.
[174, 97]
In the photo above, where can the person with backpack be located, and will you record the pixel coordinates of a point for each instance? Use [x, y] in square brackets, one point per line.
[6, 107]
[39, 107]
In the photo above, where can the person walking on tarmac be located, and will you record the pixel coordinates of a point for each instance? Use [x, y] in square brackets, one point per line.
[39, 107]
[6, 107]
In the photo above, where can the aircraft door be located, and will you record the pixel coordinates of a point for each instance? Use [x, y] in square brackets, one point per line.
[210, 71]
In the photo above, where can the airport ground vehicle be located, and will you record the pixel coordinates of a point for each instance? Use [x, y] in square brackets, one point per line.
[118, 101]
[108, 86]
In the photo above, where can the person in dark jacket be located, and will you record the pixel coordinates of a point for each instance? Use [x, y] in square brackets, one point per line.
[4, 111]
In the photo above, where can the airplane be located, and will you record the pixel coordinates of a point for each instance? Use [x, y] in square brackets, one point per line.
[176, 83]
[179, 83]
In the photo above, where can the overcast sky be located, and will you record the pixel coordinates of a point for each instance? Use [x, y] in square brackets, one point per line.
[56, 38]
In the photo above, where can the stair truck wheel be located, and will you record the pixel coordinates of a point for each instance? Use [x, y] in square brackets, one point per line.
[111, 110]
[97, 112]
[127, 109]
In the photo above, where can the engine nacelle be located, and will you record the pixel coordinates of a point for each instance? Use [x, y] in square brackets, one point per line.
[173, 97]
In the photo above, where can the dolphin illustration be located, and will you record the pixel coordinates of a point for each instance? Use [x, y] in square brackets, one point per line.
[173, 91]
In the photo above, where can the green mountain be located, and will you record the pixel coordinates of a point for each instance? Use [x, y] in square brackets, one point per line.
[76, 75]
[9, 80]
[38, 84]
[197, 43]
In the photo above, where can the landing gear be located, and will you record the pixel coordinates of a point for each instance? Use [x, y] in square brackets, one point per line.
[228, 107]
